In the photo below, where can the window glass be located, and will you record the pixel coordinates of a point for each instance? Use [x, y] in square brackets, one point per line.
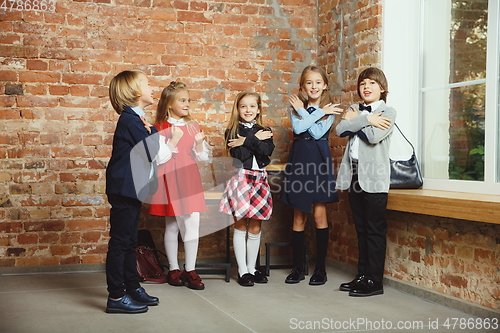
[453, 92]
[454, 41]
[454, 133]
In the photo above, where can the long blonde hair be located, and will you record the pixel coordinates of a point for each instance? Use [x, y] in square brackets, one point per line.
[326, 97]
[234, 121]
[125, 89]
[168, 97]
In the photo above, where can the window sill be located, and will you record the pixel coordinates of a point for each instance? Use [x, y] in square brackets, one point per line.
[458, 205]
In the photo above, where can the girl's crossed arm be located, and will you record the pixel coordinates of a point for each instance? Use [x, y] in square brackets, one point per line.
[260, 143]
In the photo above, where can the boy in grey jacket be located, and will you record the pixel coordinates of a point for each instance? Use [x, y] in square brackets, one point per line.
[365, 173]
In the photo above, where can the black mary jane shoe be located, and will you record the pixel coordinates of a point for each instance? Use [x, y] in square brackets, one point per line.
[246, 280]
[140, 295]
[348, 286]
[318, 278]
[367, 288]
[296, 275]
[259, 277]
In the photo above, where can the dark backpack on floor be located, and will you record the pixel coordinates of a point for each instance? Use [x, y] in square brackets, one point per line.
[148, 266]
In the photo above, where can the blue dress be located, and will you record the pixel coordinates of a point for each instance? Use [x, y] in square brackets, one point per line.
[309, 173]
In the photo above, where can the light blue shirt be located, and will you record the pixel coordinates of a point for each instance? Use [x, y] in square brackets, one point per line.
[138, 110]
[309, 122]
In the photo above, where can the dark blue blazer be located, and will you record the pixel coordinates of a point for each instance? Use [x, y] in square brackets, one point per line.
[134, 150]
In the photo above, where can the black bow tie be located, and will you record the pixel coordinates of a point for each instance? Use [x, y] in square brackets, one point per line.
[311, 109]
[363, 107]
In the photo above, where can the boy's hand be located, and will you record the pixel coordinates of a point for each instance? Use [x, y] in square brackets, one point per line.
[377, 120]
[295, 102]
[263, 135]
[146, 124]
[332, 109]
[177, 134]
[350, 114]
[236, 142]
[198, 138]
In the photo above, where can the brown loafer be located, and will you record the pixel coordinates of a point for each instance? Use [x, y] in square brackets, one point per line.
[192, 279]
[174, 278]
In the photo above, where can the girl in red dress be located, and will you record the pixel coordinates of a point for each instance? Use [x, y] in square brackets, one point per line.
[180, 192]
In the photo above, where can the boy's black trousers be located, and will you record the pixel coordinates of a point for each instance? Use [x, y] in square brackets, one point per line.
[121, 265]
[371, 227]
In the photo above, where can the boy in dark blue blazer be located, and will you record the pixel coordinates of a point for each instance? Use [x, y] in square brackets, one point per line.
[130, 177]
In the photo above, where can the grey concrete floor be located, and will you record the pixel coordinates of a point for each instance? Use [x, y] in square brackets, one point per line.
[75, 302]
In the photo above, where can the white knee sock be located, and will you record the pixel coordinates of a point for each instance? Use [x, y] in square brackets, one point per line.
[191, 237]
[171, 243]
[240, 250]
[253, 245]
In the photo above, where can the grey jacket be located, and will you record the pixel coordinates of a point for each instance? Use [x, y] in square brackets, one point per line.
[373, 154]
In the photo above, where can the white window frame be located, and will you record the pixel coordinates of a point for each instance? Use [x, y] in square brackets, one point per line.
[402, 60]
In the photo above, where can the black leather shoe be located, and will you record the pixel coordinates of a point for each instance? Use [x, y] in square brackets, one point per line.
[141, 296]
[296, 275]
[246, 280]
[125, 305]
[367, 288]
[353, 284]
[318, 277]
[259, 277]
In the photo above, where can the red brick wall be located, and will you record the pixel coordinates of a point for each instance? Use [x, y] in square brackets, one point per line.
[455, 257]
[57, 122]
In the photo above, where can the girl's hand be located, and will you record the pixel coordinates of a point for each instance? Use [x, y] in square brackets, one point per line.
[263, 135]
[350, 114]
[236, 142]
[295, 102]
[146, 124]
[377, 120]
[177, 134]
[332, 109]
[198, 138]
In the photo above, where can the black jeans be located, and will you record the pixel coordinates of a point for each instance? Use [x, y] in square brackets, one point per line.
[371, 228]
[121, 266]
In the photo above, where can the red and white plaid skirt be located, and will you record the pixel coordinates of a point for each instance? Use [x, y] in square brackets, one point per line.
[248, 195]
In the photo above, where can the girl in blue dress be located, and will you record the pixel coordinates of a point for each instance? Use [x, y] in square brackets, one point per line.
[309, 181]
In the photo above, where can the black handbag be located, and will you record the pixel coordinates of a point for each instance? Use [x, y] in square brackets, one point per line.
[406, 174]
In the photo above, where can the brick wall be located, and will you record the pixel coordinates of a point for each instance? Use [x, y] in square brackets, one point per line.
[455, 257]
[57, 122]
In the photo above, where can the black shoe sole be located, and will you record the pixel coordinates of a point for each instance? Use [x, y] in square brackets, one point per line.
[317, 283]
[150, 303]
[261, 282]
[373, 293]
[246, 284]
[344, 289]
[295, 281]
[114, 310]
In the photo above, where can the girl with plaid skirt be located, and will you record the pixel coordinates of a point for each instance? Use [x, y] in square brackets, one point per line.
[247, 194]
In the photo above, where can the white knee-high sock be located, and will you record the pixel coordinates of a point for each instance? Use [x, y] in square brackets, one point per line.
[253, 246]
[191, 239]
[171, 243]
[239, 246]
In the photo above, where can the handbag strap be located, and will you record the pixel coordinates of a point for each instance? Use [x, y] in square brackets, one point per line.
[405, 137]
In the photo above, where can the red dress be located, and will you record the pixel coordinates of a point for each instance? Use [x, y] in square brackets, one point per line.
[180, 192]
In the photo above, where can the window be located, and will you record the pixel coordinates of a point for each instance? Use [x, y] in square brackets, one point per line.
[442, 58]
